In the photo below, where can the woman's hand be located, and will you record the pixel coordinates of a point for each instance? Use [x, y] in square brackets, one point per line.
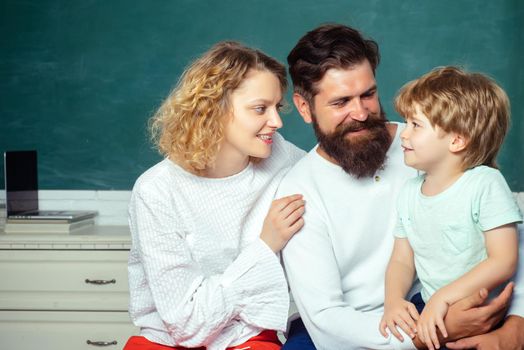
[283, 220]
[399, 313]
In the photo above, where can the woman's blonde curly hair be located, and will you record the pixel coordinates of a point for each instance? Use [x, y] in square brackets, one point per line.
[189, 125]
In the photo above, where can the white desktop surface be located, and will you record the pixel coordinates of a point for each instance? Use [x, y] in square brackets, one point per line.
[94, 237]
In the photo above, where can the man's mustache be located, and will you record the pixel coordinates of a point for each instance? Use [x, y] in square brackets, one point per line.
[356, 125]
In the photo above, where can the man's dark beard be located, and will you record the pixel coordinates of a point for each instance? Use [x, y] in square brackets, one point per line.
[362, 155]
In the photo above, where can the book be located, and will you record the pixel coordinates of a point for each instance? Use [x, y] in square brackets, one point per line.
[38, 221]
[47, 227]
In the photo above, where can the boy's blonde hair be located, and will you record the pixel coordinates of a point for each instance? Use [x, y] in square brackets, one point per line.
[469, 104]
[189, 126]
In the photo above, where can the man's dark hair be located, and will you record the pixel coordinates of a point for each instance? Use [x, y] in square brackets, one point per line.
[328, 46]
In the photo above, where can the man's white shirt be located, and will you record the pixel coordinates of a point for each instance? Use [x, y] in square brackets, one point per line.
[336, 263]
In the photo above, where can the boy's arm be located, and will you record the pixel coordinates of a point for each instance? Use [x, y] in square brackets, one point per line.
[399, 278]
[400, 271]
[510, 335]
[500, 265]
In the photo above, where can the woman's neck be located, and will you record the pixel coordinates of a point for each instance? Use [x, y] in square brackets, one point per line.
[226, 165]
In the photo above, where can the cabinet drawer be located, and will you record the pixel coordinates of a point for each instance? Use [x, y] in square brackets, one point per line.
[55, 330]
[63, 280]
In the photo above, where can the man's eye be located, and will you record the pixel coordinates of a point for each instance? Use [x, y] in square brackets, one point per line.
[340, 103]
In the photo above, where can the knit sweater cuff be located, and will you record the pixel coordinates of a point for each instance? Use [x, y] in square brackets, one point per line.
[407, 344]
[252, 282]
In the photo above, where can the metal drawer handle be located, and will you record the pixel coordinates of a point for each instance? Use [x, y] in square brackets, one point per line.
[101, 343]
[100, 282]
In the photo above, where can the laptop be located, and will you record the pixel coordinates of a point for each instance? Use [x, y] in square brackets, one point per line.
[21, 190]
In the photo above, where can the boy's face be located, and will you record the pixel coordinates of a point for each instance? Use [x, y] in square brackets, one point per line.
[426, 148]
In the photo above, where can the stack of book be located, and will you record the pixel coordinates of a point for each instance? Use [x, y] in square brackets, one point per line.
[46, 225]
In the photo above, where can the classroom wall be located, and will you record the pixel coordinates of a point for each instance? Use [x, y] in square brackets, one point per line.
[79, 79]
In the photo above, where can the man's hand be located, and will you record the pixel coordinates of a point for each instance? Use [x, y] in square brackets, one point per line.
[470, 317]
[509, 337]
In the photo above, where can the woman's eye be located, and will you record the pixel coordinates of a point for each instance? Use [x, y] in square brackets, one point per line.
[260, 109]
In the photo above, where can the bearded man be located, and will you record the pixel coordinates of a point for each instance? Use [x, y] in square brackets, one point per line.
[336, 263]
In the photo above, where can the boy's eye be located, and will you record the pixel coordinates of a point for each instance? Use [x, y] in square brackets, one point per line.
[369, 94]
[280, 106]
[415, 124]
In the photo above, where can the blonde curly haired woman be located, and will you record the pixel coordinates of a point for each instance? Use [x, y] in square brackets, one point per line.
[203, 269]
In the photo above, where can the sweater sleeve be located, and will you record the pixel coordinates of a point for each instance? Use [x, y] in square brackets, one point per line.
[193, 307]
[315, 283]
[517, 303]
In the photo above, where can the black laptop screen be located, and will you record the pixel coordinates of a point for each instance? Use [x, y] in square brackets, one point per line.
[21, 181]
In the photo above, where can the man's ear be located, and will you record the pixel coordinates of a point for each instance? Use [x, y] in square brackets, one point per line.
[302, 107]
[458, 143]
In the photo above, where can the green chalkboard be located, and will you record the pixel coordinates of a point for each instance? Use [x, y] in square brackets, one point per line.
[80, 78]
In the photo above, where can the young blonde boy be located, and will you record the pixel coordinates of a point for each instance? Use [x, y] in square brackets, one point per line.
[456, 222]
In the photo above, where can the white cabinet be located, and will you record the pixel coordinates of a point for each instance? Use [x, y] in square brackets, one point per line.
[64, 330]
[65, 291]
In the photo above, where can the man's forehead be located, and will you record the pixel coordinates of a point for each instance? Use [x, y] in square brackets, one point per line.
[355, 80]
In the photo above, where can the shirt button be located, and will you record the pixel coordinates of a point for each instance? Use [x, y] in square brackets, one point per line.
[377, 178]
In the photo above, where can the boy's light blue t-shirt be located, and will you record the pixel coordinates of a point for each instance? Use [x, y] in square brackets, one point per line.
[446, 230]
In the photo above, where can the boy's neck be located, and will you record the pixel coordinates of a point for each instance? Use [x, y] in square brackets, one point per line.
[438, 180]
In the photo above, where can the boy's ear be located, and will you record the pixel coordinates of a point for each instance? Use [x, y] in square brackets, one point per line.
[302, 107]
[458, 143]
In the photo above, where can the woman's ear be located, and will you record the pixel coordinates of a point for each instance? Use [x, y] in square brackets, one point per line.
[458, 143]
[302, 107]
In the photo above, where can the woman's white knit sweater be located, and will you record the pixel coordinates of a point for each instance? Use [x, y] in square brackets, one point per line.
[199, 275]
